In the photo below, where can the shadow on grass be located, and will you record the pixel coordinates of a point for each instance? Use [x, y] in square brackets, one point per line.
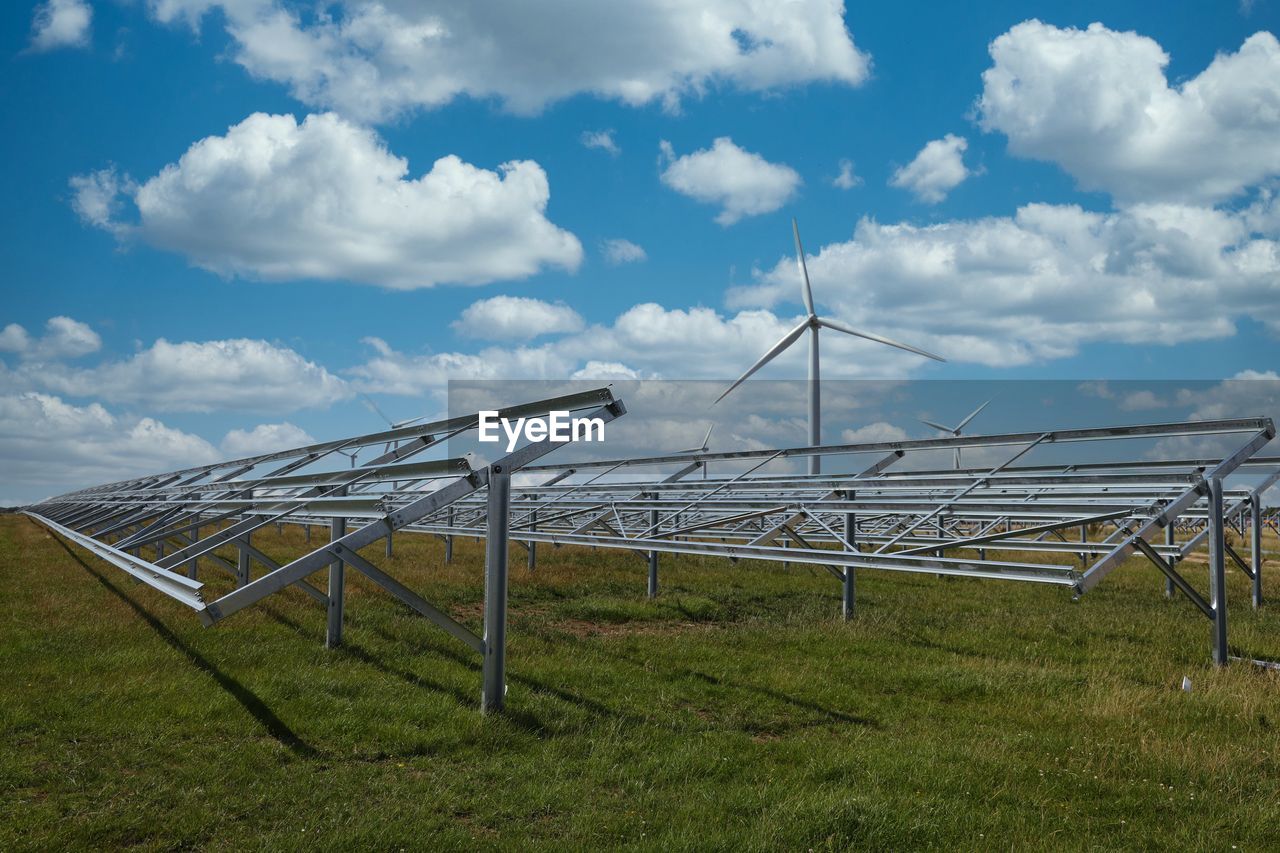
[520, 718]
[367, 658]
[760, 690]
[246, 697]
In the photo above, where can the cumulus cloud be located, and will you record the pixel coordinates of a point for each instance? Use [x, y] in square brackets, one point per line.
[602, 139]
[187, 376]
[63, 338]
[97, 197]
[610, 371]
[618, 251]
[277, 200]
[1097, 103]
[1037, 285]
[873, 432]
[504, 318]
[374, 60]
[264, 438]
[646, 340]
[14, 338]
[846, 179]
[936, 170]
[61, 23]
[741, 182]
[1127, 401]
[50, 446]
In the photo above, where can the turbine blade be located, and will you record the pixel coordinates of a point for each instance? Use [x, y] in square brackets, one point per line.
[787, 340]
[805, 291]
[936, 426]
[972, 415]
[706, 440]
[368, 401]
[840, 327]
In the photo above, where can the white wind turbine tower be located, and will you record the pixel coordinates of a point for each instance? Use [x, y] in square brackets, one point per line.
[812, 324]
[955, 430]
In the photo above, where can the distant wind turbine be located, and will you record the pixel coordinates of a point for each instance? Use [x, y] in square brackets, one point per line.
[706, 442]
[812, 323]
[372, 406]
[955, 430]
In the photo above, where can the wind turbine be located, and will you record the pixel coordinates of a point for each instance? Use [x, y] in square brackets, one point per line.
[812, 323]
[706, 442]
[373, 407]
[955, 430]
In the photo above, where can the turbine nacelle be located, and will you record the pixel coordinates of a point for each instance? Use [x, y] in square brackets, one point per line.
[955, 430]
[812, 323]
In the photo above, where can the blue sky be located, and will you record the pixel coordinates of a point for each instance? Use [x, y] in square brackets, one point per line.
[1066, 206]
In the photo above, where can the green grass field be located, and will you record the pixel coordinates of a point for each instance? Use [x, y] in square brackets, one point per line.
[735, 712]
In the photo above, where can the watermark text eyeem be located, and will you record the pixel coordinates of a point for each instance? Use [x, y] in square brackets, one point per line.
[556, 426]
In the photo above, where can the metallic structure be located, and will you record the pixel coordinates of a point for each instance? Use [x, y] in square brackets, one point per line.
[1067, 525]
[180, 518]
[956, 430]
[812, 324]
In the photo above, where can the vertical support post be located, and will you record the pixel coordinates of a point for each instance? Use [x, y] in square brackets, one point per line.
[850, 574]
[1084, 537]
[815, 405]
[337, 584]
[1255, 546]
[448, 539]
[493, 693]
[653, 555]
[389, 543]
[1170, 538]
[1217, 572]
[242, 561]
[533, 546]
[308, 527]
[193, 568]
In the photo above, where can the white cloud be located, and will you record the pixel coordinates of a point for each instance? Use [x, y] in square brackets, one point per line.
[504, 318]
[602, 139]
[14, 338]
[264, 438]
[647, 340]
[936, 170]
[97, 198]
[373, 60]
[743, 183]
[325, 199]
[846, 180]
[874, 432]
[618, 251]
[1097, 102]
[1012, 290]
[61, 23]
[50, 446]
[63, 338]
[606, 371]
[192, 376]
[1130, 401]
